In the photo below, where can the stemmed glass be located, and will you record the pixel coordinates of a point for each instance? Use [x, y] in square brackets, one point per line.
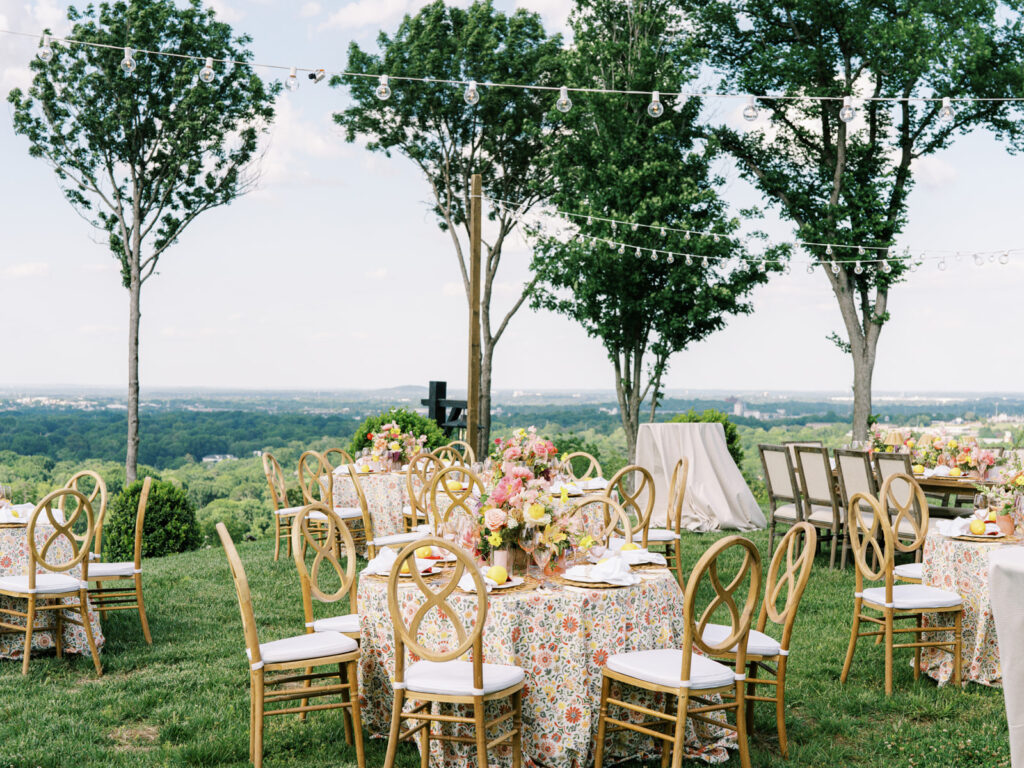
[527, 540]
[542, 556]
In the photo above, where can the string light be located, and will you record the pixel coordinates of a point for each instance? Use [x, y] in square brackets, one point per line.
[634, 227]
[1004, 258]
[847, 112]
[472, 94]
[858, 269]
[750, 111]
[128, 64]
[655, 109]
[206, 74]
[663, 232]
[835, 268]
[689, 260]
[45, 52]
[622, 248]
[946, 111]
[318, 76]
[292, 83]
[671, 259]
[383, 90]
[704, 262]
[564, 103]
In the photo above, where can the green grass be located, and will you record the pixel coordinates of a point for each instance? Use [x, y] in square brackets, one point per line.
[184, 701]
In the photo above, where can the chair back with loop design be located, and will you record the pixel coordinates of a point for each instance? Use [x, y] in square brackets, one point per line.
[872, 534]
[590, 467]
[787, 576]
[745, 585]
[467, 631]
[418, 477]
[677, 495]
[452, 494]
[63, 510]
[364, 509]
[275, 481]
[456, 452]
[252, 642]
[337, 457]
[140, 521]
[635, 488]
[327, 553]
[904, 499]
[92, 486]
[316, 477]
[599, 510]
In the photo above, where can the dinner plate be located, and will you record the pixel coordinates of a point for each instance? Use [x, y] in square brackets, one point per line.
[983, 537]
[425, 572]
[513, 581]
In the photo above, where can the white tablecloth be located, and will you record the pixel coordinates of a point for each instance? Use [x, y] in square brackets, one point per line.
[1006, 585]
[717, 496]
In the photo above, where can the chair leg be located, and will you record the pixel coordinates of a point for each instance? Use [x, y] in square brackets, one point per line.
[742, 741]
[780, 707]
[888, 651]
[277, 535]
[771, 535]
[917, 651]
[517, 723]
[846, 543]
[59, 639]
[142, 609]
[396, 727]
[481, 731]
[357, 717]
[832, 557]
[345, 697]
[29, 626]
[748, 708]
[257, 717]
[252, 716]
[606, 686]
[853, 640]
[666, 746]
[680, 732]
[83, 607]
[958, 651]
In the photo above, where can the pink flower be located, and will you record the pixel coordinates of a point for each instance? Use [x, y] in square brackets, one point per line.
[520, 473]
[495, 518]
[513, 453]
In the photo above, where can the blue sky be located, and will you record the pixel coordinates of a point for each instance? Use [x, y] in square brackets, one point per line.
[333, 274]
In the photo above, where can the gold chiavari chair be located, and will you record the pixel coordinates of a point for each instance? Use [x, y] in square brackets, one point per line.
[630, 484]
[123, 598]
[283, 513]
[55, 589]
[328, 552]
[92, 486]
[353, 516]
[895, 601]
[670, 535]
[338, 457]
[598, 507]
[685, 676]
[765, 653]
[456, 452]
[294, 654]
[373, 541]
[453, 492]
[904, 499]
[418, 477]
[591, 466]
[440, 675]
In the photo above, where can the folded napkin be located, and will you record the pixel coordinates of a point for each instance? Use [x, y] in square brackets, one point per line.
[962, 526]
[570, 487]
[467, 584]
[614, 570]
[593, 484]
[641, 557]
[939, 471]
[381, 564]
[20, 513]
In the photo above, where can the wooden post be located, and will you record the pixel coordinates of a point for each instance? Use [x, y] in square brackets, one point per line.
[473, 387]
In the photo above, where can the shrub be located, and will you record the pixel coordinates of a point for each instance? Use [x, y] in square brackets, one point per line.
[408, 421]
[732, 435]
[170, 525]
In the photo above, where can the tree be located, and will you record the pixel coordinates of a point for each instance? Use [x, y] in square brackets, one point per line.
[140, 156]
[617, 162]
[503, 137]
[848, 183]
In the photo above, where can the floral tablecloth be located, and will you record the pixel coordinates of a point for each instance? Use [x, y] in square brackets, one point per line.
[962, 567]
[385, 496]
[14, 562]
[562, 637]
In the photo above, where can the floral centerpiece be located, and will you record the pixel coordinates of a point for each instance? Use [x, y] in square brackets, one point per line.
[1006, 494]
[963, 456]
[525, 449]
[390, 447]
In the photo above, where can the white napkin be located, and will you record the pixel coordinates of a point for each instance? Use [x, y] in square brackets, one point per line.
[641, 557]
[957, 527]
[614, 570]
[20, 513]
[939, 471]
[594, 484]
[467, 584]
[570, 487]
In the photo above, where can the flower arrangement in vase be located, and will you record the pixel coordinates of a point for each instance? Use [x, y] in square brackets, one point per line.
[391, 447]
[525, 449]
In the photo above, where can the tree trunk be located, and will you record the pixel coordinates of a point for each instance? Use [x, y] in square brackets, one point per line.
[863, 370]
[628, 395]
[482, 444]
[132, 456]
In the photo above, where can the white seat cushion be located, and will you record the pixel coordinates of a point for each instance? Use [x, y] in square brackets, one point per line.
[657, 534]
[347, 513]
[912, 596]
[46, 583]
[345, 624]
[910, 571]
[106, 570]
[822, 514]
[786, 512]
[288, 511]
[397, 538]
[456, 677]
[303, 647]
[758, 643]
[662, 666]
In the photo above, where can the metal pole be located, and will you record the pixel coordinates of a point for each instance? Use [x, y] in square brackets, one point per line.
[473, 388]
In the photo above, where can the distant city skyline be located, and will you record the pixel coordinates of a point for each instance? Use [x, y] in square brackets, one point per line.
[340, 240]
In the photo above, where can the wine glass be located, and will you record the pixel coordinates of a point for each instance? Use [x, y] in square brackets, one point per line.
[980, 506]
[527, 540]
[542, 556]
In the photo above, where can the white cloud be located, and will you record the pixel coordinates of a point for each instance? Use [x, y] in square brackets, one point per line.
[554, 12]
[376, 274]
[371, 13]
[16, 52]
[27, 269]
[309, 10]
[225, 12]
[934, 171]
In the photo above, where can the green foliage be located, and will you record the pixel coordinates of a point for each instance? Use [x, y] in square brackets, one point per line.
[169, 526]
[408, 421]
[732, 435]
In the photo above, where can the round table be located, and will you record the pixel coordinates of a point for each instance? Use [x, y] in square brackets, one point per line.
[385, 497]
[962, 567]
[14, 562]
[561, 636]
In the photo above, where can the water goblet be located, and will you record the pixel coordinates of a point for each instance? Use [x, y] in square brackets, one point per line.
[542, 556]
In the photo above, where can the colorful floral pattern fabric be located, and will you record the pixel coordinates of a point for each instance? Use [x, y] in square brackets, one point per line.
[962, 567]
[385, 496]
[561, 637]
[14, 562]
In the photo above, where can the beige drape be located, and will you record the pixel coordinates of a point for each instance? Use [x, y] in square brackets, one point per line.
[1006, 585]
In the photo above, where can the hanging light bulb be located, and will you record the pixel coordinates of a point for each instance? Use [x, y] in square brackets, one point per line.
[942, 264]
[860, 250]
[292, 83]
[687, 235]
[1005, 258]
[886, 267]
[654, 255]
[622, 249]
[45, 52]
[671, 259]
[564, 103]
[762, 265]
[639, 253]
[704, 261]
[634, 226]
[663, 233]
[750, 111]
[858, 268]
[590, 221]
[383, 91]
[835, 268]
[614, 227]
[946, 110]
[979, 260]
[847, 113]
[128, 64]
[655, 109]
[206, 74]
[472, 94]
[810, 268]
[828, 250]
[716, 237]
[689, 260]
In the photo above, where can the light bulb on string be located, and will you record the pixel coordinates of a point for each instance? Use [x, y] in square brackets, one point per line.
[942, 264]
[639, 253]
[634, 227]
[564, 103]
[654, 255]
[689, 260]
[828, 250]
[810, 268]
[946, 110]
[847, 112]
[292, 83]
[750, 111]
[1005, 258]
[886, 267]
[622, 249]
[671, 259]
[716, 237]
[860, 250]
[472, 94]
[835, 268]
[590, 221]
[663, 233]
[615, 227]
[383, 91]
[128, 64]
[687, 235]
[979, 260]
[45, 52]
[762, 265]
[206, 74]
[655, 109]
[704, 262]
[858, 268]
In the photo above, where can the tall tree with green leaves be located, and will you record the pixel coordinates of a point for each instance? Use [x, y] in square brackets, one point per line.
[140, 155]
[616, 161]
[503, 136]
[848, 182]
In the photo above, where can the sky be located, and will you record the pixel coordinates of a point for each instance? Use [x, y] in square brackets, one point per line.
[333, 274]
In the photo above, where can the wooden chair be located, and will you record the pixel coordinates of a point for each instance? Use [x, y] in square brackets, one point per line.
[338, 457]
[685, 676]
[903, 495]
[456, 452]
[279, 498]
[447, 500]
[614, 519]
[418, 477]
[780, 481]
[630, 483]
[353, 516]
[822, 508]
[55, 589]
[373, 541]
[855, 476]
[439, 675]
[338, 544]
[670, 535]
[592, 468]
[81, 482]
[125, 597]
[895, 601]
[292, 654]
[764, 652]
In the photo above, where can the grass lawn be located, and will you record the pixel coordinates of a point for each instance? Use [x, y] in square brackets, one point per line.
[184, 701]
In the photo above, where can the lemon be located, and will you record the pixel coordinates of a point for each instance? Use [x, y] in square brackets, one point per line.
[454, 485]
[955, 472]
[977, 527]
[423, 552]
[497, 574]
[991, 517]
[629, 546]
[405, 568]
[918, 469]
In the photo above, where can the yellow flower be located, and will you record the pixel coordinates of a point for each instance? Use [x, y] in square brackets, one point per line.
[565, 495]
[494, 539]
[586, 542]
[911, 443]
[952, 444]
[536, 511]
[1019, 480]
[394, 446]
